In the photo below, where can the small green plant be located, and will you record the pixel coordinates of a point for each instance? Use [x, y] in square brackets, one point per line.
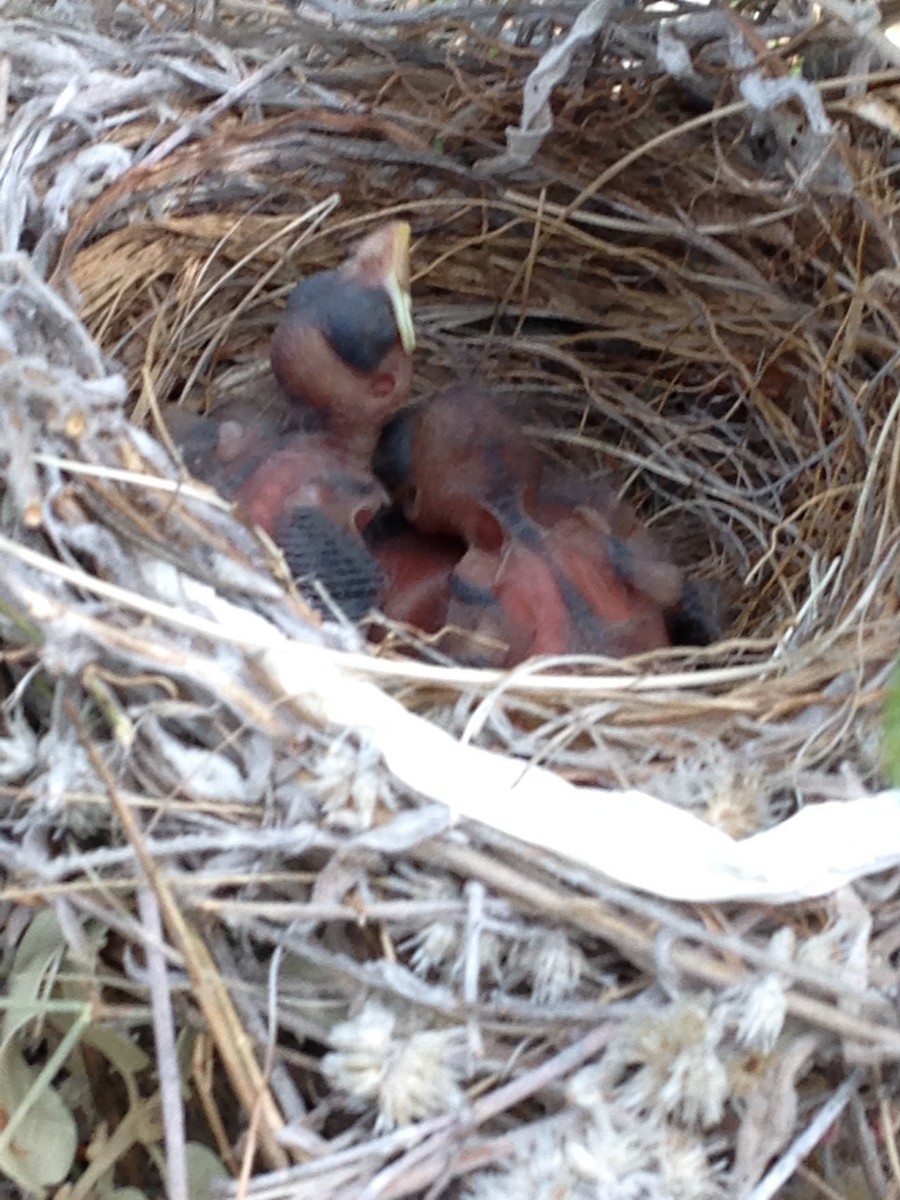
[49, 996]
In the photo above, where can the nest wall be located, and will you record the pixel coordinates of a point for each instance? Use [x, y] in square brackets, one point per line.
[655, 293]
[689, 281]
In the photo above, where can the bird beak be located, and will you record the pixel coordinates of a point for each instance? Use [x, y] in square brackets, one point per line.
[382, 259]
[397, 285]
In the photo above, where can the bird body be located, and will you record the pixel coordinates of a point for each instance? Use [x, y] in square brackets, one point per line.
[307, 470]
[552, 566]
[506, 607]
[417, 569]
[454, 463]
[342, 355]
[560, 594]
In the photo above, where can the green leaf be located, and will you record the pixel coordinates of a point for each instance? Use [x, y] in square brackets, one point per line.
[203, 1169]
[38, 956]
[125, 1056]
[42, 1148]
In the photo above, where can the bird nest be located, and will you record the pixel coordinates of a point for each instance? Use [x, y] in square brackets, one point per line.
[237, 940]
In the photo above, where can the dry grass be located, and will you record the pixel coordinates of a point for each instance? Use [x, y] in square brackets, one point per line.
[690, 283]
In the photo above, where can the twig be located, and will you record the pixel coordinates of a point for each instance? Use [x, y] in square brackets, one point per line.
[165, 1044]
[209, 989]
[786, 1166]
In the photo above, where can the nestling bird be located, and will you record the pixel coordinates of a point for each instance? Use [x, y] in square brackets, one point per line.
[452, 462]
[342, 353]
[552, 566]
[344, 345]
[417, 570]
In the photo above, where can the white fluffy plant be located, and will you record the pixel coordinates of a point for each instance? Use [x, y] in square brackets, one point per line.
[405, 1076]
[600, 1150]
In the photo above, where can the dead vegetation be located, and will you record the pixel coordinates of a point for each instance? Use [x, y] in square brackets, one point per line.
[672, 238]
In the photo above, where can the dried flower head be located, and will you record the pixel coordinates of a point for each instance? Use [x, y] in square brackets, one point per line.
[537, 1169]
[608, 1153]
[726, 791]
[351, 782]
[440, 947]
[433, 947]
[550, 963]
[686, 1169]
[763, 1012]
[407, 1077]
[759, 1008]
[672, 1058]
